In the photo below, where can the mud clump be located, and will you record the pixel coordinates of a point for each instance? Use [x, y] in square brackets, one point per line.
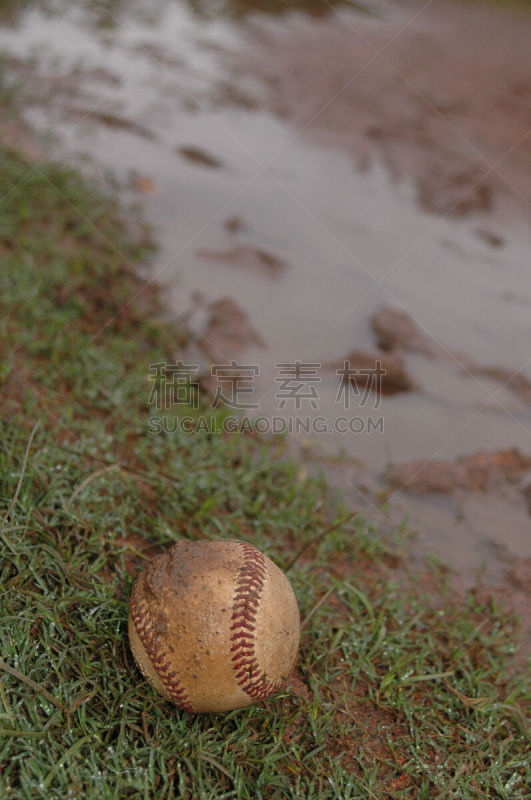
[247, 257]
[395, 330]
[200, 157]
[481, 472]
[385, 372]
[376, 372]
[455, 194]
[235, 224]
[228, 330]
[142, 183]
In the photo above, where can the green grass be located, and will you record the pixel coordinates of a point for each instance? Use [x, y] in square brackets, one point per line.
[402, 690]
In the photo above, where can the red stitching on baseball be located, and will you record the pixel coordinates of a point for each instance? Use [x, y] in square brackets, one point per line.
[159, 659]
[245, 609]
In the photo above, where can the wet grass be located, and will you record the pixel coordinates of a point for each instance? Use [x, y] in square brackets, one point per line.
[401, 690]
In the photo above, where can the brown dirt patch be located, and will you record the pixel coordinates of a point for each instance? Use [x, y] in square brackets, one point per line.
[14, 134]
[376, 372]
[482, 472]
[396, 330]
[228, 330]
[200, 157]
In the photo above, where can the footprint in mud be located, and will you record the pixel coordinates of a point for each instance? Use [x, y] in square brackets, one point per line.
[248, 257]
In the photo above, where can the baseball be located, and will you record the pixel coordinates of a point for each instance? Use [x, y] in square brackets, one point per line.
[214, 625]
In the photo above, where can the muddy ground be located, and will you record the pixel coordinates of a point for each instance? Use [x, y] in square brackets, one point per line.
[440, 92]
[332, 180]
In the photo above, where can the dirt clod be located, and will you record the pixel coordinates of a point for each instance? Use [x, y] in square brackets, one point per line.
[481, 472]
[254, 259]
[228, 330]
[200, 157]
[396, 330]
[375, 371]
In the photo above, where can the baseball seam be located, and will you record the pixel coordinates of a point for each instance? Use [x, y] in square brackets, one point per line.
[144, 628]
[249, 587]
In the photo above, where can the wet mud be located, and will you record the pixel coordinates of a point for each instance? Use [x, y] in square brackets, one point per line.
[440, 93]
[252, 259]
[380, 373]
[227, 331]
[200, 157]
[481, 472]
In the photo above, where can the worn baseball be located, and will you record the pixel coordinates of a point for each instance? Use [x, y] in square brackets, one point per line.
[214, 626]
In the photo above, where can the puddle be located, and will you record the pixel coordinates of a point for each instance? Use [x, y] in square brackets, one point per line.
[289, 169]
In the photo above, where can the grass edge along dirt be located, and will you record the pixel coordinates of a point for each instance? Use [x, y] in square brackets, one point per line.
[401, 690]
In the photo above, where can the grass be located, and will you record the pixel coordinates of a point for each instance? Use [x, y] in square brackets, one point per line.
[402, 689]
